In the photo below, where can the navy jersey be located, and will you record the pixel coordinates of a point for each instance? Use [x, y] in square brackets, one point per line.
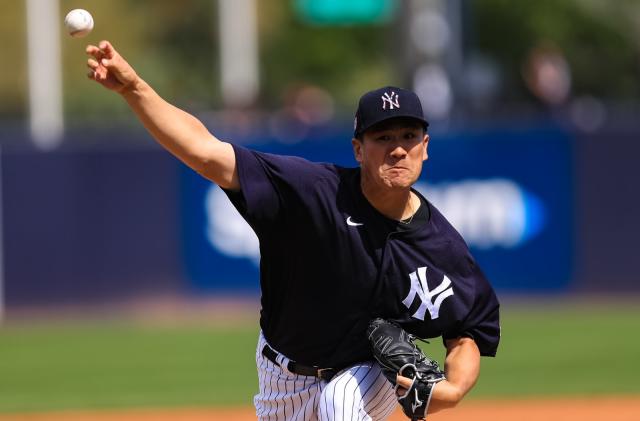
[330, 262]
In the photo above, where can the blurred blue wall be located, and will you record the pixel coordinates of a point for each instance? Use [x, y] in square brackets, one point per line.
[88, 226]
[92, 225]
[607, 196]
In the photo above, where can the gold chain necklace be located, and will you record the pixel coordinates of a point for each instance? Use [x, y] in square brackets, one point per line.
[408, 220]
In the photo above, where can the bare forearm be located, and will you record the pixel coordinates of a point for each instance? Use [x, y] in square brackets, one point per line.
[178, 131]
[462, 368]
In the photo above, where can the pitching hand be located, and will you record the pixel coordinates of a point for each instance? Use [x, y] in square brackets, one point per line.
[109, 69]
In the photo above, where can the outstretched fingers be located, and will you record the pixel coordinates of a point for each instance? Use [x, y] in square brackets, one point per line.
[92, 50]
[104, 51]
[96, 71]
[107, 49]
[98, 60]
[108, 67]
[92, 64]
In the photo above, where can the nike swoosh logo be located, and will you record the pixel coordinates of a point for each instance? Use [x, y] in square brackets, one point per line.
[352, 223]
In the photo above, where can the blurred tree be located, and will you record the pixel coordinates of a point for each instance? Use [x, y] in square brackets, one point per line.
[13, 71]
[598, 39]
[119, 21]
[169, 43]
[344, 60]
[174, 46]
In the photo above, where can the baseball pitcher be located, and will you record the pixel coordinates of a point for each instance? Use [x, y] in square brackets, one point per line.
[355, 263]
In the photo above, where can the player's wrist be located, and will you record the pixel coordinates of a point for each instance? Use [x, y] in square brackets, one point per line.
[445, 395]
[135, 88]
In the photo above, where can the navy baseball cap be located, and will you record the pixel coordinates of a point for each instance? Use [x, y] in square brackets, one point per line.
[385, 103]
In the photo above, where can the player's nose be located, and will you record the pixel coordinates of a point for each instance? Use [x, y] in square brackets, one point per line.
[397, 151]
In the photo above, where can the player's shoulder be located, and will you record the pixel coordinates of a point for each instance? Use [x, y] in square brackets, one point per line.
[445, 227]
[438, 223]
[458, 253]
[283, 165]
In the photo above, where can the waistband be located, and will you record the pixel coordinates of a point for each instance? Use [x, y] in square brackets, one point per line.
[325, 374]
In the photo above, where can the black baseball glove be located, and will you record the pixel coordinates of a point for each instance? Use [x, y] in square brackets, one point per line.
[396, 352]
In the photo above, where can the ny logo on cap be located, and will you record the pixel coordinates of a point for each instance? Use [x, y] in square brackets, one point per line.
[392, 100]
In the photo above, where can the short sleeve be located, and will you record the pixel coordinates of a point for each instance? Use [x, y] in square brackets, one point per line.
[482, 323]
[269, 185]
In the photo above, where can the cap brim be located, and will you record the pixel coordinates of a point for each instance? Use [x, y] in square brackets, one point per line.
[424, 122]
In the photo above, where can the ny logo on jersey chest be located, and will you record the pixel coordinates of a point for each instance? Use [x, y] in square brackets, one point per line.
[429, 299]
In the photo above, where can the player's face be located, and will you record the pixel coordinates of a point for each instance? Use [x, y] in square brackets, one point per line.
[391, 154]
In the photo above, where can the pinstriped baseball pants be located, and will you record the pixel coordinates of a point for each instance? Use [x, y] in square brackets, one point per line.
[360, 392]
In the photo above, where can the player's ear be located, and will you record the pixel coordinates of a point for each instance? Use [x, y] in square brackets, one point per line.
[357, 149]
[425, 142]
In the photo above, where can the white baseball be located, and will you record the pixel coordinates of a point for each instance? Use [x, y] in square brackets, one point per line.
[79, 23]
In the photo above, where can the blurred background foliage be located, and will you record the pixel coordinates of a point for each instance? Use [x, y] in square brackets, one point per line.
[13, 71]
[174, 45]
[601, 43]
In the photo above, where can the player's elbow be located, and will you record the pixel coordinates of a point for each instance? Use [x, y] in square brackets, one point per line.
[453, 398]
[215, 161]
[456, 398]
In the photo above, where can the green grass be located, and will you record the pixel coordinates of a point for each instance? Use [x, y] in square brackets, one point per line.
[556, 350]
[110, 366]
[559, 349]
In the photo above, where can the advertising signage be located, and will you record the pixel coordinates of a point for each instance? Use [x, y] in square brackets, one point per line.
[509, 193]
